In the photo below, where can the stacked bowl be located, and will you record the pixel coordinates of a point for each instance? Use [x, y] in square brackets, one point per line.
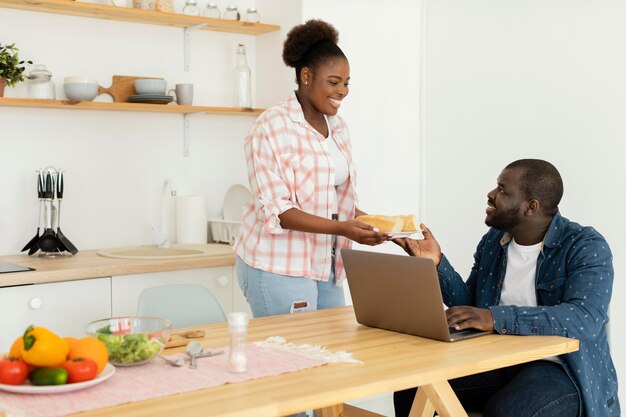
[150, 90]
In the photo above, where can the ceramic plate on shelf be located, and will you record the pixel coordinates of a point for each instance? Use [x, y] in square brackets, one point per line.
[27, 388]
[150, 96]
[234, 200]
[152, 101]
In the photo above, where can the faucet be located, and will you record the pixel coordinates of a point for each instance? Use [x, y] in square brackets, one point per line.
[161, 236]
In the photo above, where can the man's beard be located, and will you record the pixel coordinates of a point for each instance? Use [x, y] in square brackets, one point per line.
[503, 220]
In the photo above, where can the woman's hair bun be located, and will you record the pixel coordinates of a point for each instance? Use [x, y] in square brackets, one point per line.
[302, 37]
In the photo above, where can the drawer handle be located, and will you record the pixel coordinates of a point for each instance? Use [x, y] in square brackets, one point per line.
[35, 303]
[223, 281]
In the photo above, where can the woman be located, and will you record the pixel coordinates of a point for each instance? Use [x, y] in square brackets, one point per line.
[303, 183]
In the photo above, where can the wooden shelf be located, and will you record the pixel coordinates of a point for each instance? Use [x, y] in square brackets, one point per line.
[126, 14]
[138, 107]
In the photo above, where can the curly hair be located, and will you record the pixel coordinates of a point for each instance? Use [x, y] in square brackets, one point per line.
[310, 44]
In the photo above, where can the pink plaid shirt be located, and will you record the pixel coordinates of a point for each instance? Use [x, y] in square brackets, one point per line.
[289, 166]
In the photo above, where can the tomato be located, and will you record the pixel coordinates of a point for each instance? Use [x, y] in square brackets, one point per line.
[13, 371]
[80, 370]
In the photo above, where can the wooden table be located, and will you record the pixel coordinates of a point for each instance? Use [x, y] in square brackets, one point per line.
[391, 362]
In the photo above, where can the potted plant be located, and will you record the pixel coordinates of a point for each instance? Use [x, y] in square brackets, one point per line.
[11, 68]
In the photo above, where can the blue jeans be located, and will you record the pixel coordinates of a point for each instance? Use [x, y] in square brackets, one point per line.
[270, 294]
[534, 389]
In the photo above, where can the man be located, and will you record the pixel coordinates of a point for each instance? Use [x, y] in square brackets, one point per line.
[534, 273]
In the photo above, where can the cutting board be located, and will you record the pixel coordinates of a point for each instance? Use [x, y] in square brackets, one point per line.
[121, 87]
[181, 339]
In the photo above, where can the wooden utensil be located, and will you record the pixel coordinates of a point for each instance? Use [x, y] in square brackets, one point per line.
[122, 86]
[181, 339]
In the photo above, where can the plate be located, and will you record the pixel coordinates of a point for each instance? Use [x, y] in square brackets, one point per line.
[151, 101]
[403, 234]
[234, 200]
[157, 96]
[27, 388]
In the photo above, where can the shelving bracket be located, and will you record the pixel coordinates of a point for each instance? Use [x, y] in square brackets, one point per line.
[187, 42]
[186, 123]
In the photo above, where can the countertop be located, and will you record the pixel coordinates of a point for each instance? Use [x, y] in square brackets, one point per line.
[88, 264]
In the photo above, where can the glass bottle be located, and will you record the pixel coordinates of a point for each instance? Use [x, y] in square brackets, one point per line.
[238, 328]
[212, 10]
[39, 83]
[243, 89]
[251, 16]
[231, 13]
[191, 8]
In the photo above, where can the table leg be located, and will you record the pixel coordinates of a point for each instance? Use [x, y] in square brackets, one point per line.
[438, 397]
[332, 411]
[345, 410]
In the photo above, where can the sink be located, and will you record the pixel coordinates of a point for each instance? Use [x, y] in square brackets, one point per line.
[173, 252]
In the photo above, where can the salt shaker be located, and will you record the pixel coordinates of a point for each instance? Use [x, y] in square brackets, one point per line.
[238, 327]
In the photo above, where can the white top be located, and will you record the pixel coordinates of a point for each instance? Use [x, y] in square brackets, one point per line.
[342, 172]
[519, 281]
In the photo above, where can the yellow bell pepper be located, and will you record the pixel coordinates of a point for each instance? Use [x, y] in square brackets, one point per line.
[43, 348]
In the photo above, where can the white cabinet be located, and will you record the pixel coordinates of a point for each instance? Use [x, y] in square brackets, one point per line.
[63, 307]
[220, 280]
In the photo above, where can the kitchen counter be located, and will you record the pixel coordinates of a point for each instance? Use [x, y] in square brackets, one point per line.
[88, 264]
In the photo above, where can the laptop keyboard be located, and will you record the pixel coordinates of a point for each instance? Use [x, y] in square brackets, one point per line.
[452, 331]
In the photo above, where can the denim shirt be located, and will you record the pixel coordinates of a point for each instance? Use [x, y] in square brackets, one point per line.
[573, 284]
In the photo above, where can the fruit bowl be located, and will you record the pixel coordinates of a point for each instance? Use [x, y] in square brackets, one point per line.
[131, 340]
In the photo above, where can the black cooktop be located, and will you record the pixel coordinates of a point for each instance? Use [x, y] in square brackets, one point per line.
[6, 267]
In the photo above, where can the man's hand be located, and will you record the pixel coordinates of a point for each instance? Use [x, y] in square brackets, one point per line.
[466, 317]
[427, 247]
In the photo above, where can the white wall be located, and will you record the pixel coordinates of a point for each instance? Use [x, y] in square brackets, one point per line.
[542, 79]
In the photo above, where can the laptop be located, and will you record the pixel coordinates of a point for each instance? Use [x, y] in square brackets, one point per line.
[399, 293]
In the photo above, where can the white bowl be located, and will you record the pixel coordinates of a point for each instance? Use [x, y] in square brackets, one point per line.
[81, 91]
[150, 86]
[80, 79]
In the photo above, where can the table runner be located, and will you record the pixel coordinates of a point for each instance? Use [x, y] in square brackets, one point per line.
[158, 379]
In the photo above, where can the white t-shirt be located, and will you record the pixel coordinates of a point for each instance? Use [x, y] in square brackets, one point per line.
[518, 287]
[342, 171]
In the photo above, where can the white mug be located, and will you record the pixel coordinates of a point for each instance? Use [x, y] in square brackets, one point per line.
[184, 94]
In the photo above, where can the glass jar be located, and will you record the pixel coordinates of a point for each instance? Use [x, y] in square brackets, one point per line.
[231, 13]
[251, 16]
[212, 10]
[39, 84]
[191, 8]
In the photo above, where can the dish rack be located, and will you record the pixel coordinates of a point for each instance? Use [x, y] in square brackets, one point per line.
[224, 231]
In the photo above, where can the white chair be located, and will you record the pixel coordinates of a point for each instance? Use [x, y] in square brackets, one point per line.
[185, 305]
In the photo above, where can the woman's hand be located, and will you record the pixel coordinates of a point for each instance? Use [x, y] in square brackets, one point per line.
[362, 233]
[426, 248]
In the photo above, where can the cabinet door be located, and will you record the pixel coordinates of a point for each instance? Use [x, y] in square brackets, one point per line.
[126, 288]
[63, 307]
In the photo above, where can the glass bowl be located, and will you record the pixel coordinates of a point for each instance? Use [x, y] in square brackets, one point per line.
[131, 340]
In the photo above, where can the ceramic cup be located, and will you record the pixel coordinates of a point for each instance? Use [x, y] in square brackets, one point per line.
[183, 93]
